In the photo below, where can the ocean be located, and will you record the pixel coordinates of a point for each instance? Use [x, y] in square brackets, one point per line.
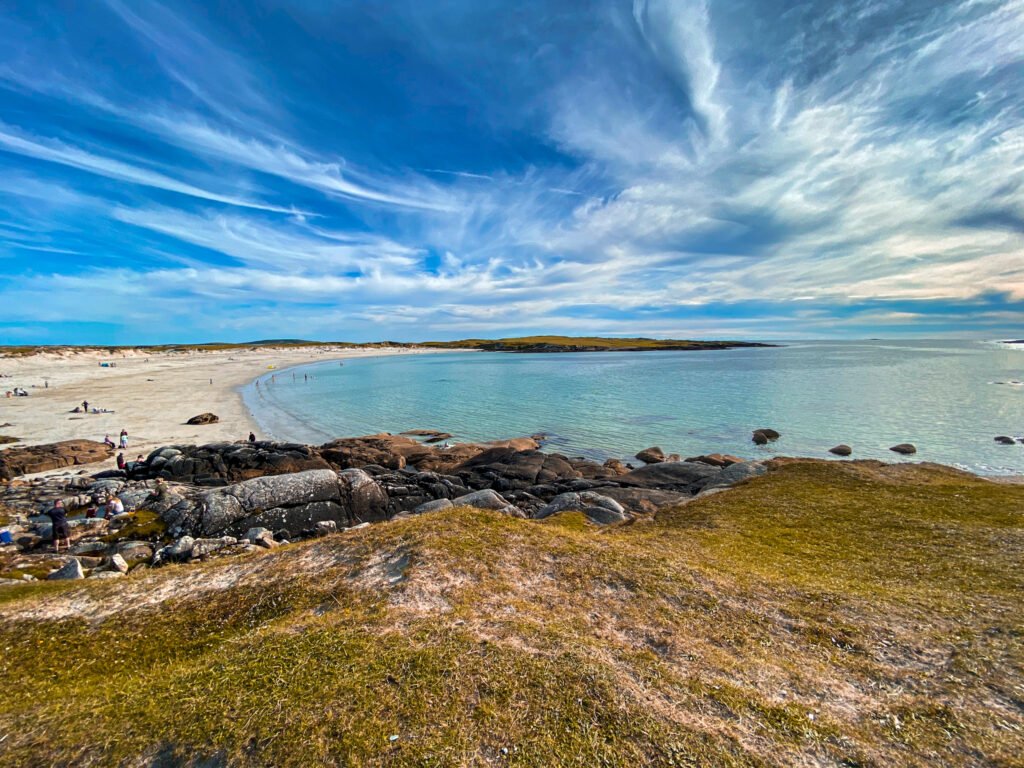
[948, 398]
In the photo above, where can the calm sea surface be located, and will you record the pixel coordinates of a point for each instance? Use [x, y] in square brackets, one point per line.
[949, 398]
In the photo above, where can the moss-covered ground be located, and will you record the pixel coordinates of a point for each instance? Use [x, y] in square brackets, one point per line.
[846, 614]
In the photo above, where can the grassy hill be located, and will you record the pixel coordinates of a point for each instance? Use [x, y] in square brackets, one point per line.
[846, 614]
[585, 344]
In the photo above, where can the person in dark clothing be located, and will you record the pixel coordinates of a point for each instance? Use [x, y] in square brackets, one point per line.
[252, 437]
[85, 406]
[61, 533]
[120, 461]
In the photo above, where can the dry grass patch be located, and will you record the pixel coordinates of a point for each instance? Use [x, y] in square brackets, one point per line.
[825, 614]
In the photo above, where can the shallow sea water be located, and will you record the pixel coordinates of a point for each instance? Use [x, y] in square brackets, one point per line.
[949, 398]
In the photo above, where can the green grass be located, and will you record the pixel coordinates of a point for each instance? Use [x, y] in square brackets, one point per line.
[826, 613]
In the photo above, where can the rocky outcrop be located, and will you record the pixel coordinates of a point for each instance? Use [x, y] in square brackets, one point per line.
[40, 458]
[204, 418]
[1005, 440]
[841, 450]
[222, 463]
[294, 503]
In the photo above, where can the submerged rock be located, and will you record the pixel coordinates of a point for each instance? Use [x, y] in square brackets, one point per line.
[841, 450]
[1005, 440]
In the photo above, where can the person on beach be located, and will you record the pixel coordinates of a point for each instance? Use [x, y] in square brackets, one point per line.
[252, 437]
[59, 516]
[124, 438]
[108, 442]
[85, 406]
[120, 461]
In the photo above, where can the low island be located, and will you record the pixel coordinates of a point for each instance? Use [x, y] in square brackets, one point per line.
[589, 344]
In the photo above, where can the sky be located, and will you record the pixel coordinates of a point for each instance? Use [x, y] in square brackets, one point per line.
[750, 169]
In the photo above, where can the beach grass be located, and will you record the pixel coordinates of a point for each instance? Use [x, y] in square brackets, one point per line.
[827, 613]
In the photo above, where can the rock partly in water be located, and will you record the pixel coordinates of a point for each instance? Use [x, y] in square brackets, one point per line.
[841, 450]
[1005, 440]
[652, 455]
[904, 448]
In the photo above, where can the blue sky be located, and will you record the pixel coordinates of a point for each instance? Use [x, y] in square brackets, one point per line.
[194, 171]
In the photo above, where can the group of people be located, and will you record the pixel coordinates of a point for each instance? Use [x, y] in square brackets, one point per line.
[122, 443]
[129, 466]
[84, 408]
[17, 392]
[58, 514]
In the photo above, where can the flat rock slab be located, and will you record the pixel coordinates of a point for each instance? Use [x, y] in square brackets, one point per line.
[40, 458]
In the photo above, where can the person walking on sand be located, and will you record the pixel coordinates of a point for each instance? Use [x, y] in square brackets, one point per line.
[85, 406]
[124, 439]
[59, 516]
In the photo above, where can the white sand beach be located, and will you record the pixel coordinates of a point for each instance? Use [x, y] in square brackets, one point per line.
[150, 394]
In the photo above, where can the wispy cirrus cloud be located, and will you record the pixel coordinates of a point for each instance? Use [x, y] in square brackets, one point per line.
[705, 167]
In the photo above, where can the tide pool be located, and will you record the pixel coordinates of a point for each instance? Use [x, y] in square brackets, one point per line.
[949, 398]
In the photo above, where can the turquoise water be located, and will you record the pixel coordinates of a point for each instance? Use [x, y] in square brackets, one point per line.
[943, 396]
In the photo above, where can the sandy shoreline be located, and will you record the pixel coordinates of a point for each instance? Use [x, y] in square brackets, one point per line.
[151, 395]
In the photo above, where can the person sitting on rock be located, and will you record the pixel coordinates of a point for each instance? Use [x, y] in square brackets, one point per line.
[120, 462]
[59, 516]
[114, 507]
[108, 442]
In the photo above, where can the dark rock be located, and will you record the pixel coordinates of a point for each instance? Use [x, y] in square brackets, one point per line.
[645, 500]
[760, 438]
[1004, 440]
[204, 418]
[677, 475]
[771, 434]
[841, 450]
[904, 448]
